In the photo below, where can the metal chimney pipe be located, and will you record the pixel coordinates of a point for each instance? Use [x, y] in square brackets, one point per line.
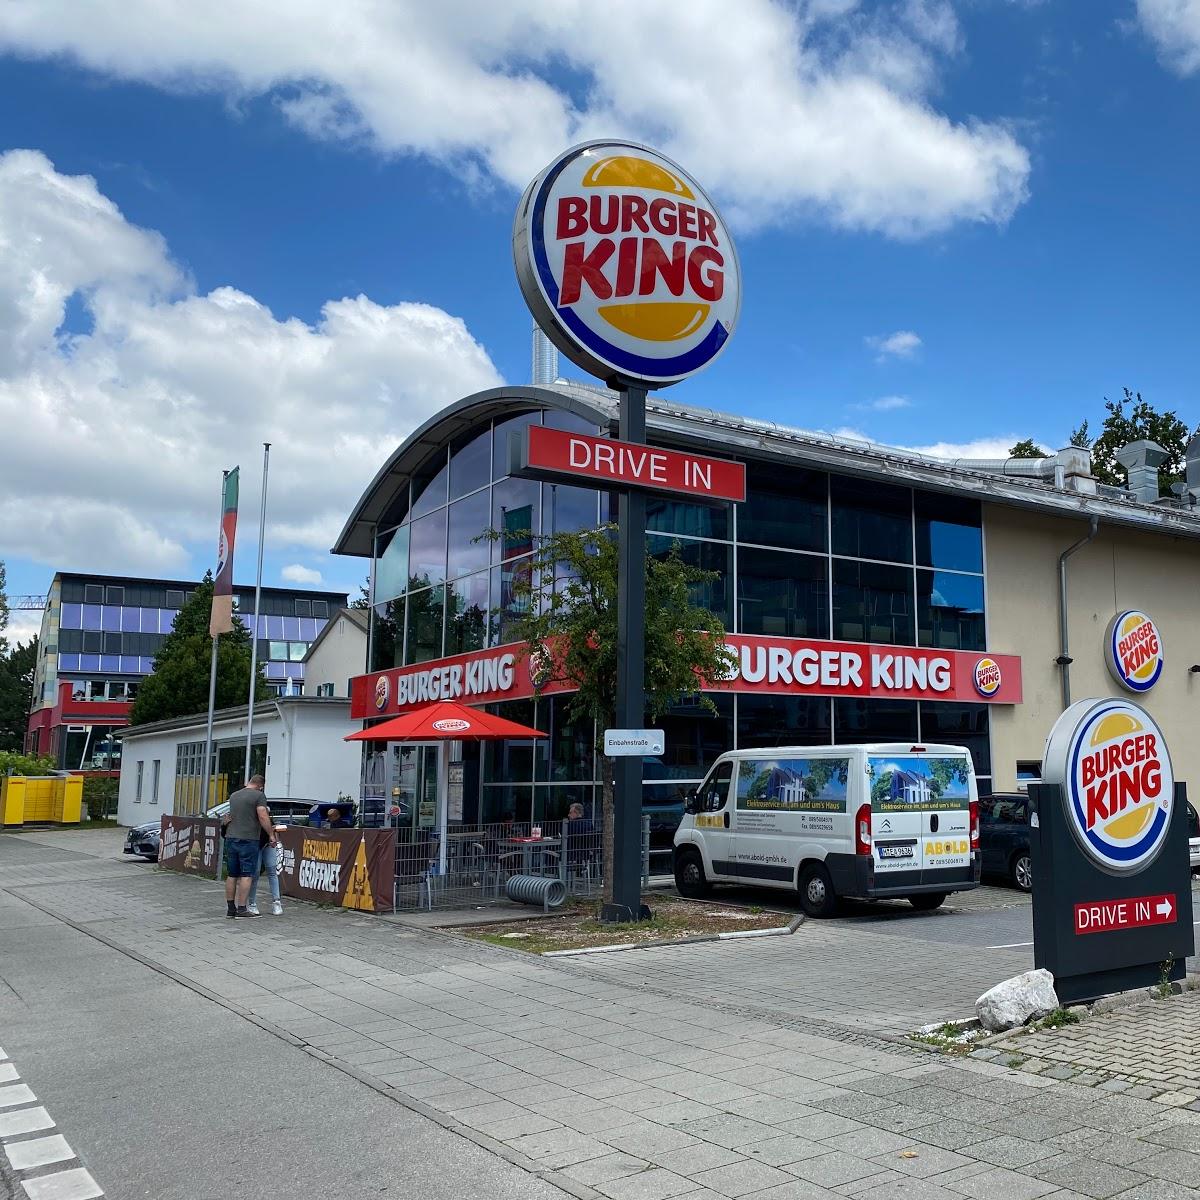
[1191, 456]
[1141, 460]
[545, 358]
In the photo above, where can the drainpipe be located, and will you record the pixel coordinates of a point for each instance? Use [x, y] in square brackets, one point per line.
[287, 733]
[1064, 658]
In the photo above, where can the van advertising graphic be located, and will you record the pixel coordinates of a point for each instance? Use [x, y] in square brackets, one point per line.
[813, 787]
[911, 783]
[1133, 649]
[626, 263]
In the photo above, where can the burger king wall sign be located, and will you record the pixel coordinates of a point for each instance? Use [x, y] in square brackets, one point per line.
[626, 264]
[1112, 763]
[1133, 649]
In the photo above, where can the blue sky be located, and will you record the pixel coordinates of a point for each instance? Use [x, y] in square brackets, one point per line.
[959, 224]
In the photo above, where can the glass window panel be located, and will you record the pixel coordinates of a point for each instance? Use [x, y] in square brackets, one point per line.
[856, 720]
[567, 509]
[949, 532]
[959, 725]
[274, 629]
[694, 738]
[555, 418]
[91, 616]
[391, 565]
[387, 636]
[708, 556]
[950, 610]
[500, 440]
[303, 609]
[783, 721]
[427, 550]
[508, 803]
[567, 754]
[780, 594]
[507, 760]
[111, 662]
[470, 463]
[291, 628]
[71, 617]
[320, 610]
[506, 607]
[114, 594]
[553, 803]
[278, 651]
[275, 670]
[664, 515]
[871, 520]
[429, 484]
[424, 640]
[515, 504]
[466, 613]
[296, 652]
[70, 641]
[873, 602]
[784, 506]
[93, 594]
[130, 664]
[110, 618]
[469, 521]
[131, 620]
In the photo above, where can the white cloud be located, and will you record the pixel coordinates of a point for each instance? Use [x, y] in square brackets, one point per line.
[820, 110]
[23, 624]
[1174, 28]
[298, 573]
[139, 415]
[984, 447]
[901, 344]
[886, 404]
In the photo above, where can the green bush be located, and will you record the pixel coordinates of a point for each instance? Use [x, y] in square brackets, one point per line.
[12, 762]
[100, 796]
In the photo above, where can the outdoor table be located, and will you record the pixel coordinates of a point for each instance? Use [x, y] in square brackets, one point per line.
[527, 845]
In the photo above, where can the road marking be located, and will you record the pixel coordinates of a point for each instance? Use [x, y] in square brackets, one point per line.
[16, 1093]
[1010, 946]
[8, 1073]
[38, 1152]
[63, 1185]
[25, 1120]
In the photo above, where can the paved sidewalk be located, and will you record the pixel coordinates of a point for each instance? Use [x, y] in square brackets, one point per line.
[717, 1070]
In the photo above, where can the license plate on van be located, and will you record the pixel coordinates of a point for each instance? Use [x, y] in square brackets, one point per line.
[896, 851]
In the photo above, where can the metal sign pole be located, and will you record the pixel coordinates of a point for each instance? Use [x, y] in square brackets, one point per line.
[626, 902]
[262, 530]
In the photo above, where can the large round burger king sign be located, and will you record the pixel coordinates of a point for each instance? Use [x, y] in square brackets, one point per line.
[1111, 760]
[626, 264]
[1133, 649]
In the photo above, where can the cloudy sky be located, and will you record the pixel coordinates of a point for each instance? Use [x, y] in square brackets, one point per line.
[221, 224]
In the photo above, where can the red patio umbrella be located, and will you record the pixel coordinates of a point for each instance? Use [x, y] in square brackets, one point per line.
[444, 720]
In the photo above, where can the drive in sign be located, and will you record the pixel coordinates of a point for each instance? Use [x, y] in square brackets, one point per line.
[554, 452]
[1103, 916]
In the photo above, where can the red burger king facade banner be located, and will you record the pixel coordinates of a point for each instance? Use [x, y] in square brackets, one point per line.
[765, 666]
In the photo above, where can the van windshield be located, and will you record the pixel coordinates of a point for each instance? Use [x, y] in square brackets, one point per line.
[793, 784]
[918, 783]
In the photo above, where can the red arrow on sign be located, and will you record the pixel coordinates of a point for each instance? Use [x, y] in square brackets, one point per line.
[1105, 916]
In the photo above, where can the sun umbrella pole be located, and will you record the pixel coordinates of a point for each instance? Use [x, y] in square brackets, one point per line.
[443, 802]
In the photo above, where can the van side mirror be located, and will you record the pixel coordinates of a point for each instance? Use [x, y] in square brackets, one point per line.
[691, 803]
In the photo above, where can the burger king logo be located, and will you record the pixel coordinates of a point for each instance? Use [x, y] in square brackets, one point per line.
[1118, 786]
[451, 725]
[1133, 650]
[382, 691]
[988, 677]
[540, 666]
[626, 263]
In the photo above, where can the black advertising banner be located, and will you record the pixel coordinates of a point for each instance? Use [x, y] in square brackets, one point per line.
[1112, 899]
[350, 867]
[191, 844]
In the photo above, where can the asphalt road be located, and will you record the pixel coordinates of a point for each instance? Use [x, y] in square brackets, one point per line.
[164, 1094]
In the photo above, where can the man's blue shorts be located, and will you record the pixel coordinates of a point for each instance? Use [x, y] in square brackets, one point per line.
[241, 857]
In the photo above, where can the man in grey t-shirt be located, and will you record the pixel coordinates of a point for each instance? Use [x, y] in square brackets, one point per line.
[248, 814]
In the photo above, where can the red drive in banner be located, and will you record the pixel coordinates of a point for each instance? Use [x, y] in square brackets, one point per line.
[1104, 916]
[577, 455]
[221, 620]
[765, 666]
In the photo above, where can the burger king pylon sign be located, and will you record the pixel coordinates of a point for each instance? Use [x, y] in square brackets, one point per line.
[626, 264]
[1111, 880]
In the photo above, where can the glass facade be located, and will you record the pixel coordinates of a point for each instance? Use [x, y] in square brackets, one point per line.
[807, 555]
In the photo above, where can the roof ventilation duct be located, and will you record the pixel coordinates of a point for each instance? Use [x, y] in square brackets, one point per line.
[1191, 457]
[1141, 459]
[545, 358]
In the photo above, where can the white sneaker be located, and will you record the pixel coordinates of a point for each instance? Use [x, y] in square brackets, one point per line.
[277, 909]
[252, 910]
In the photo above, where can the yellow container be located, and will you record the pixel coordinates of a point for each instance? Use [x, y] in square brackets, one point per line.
[70, 808]
[41, 800]
[12, 800]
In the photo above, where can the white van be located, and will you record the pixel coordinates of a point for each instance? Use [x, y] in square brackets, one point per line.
[880, 821]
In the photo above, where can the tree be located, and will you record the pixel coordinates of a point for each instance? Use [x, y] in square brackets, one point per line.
[565, 611]
[16, 692]
[1028, 449]
[1080, 437]
[1129, 420]
[179, 685]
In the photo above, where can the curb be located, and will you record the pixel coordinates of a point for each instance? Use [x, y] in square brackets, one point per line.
[733, 935]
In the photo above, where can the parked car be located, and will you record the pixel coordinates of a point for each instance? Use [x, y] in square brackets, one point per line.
[143, 840]
[1004, 838]
[1193, 819]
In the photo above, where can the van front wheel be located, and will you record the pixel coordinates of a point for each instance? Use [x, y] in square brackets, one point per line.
[689, 875]
[817, 896]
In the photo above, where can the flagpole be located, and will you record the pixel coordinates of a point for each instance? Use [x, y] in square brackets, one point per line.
[212, 690]
[262, 528]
